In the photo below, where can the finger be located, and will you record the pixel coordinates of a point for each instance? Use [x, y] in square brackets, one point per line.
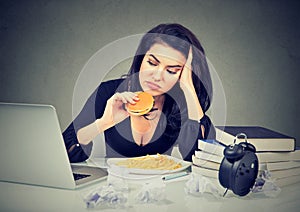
[118, 97]
[188, 63]
[131, 97]
[126, 97]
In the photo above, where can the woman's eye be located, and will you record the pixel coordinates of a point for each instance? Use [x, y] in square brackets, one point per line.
[151, 63]
[171, 72]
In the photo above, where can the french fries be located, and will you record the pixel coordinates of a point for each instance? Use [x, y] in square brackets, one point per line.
[159, 162]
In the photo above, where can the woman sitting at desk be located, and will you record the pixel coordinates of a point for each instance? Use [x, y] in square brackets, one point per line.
[169, 64]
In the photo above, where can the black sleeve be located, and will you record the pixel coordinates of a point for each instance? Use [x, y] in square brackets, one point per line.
[190, 133]
[76, 152]
[92, 110]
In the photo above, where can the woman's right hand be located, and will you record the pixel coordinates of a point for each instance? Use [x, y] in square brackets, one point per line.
[113, 114]
[114, 111]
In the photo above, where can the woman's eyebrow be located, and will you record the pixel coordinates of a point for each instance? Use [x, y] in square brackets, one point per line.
[157, 60]
[175, 66]
[170, 66]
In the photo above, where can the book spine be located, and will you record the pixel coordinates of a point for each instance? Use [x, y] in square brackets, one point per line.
[212, 148]
[205, 172]
[285, 173]
[208, 156]
[205, 163]
[224, 137]
[282, 165]
[261, 144]
[278, 156]
[287, 181]
[263, 157]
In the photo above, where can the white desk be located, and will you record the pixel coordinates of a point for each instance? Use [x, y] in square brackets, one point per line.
[20, 197]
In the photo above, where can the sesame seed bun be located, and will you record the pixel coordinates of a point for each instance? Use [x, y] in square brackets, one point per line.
[142, 106]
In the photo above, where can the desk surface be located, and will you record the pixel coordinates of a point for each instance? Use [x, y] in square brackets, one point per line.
[20, 197]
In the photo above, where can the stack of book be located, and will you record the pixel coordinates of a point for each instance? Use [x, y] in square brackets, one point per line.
[276, 153]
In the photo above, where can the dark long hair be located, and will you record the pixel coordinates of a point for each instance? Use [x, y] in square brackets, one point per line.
[181, 39]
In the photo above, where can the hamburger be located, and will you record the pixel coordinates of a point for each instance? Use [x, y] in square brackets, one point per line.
[142, 106]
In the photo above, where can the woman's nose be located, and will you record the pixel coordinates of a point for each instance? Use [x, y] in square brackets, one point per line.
[157, 74]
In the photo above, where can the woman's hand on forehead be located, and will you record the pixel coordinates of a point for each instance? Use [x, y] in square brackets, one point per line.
[186, 74]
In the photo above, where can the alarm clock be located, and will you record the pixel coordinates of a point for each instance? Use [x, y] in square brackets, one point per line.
[239, 167]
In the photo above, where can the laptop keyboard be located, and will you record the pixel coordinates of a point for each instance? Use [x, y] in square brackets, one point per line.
[80, 176]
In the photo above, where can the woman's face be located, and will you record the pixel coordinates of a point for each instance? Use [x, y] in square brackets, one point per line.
[160, 69]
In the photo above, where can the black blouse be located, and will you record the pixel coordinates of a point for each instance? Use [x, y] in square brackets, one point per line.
[119, 141]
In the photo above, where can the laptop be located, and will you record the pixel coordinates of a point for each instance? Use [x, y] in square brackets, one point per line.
[33, 152]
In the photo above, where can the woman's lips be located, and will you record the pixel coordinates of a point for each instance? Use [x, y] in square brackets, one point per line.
[152, 85]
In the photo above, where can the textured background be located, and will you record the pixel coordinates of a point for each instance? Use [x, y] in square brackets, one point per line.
[253, 45]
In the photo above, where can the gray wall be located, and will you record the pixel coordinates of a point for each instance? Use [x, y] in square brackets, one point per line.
[253, 45]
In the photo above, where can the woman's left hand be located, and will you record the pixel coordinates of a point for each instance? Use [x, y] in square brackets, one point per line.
[185, 80]
[195, 111]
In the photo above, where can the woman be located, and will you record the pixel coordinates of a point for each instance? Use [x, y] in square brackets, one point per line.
[169, 64]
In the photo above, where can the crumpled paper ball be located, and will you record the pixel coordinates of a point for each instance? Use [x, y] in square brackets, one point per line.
[151, 192]
[112, 195]
[199, 184]
[265, 185]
